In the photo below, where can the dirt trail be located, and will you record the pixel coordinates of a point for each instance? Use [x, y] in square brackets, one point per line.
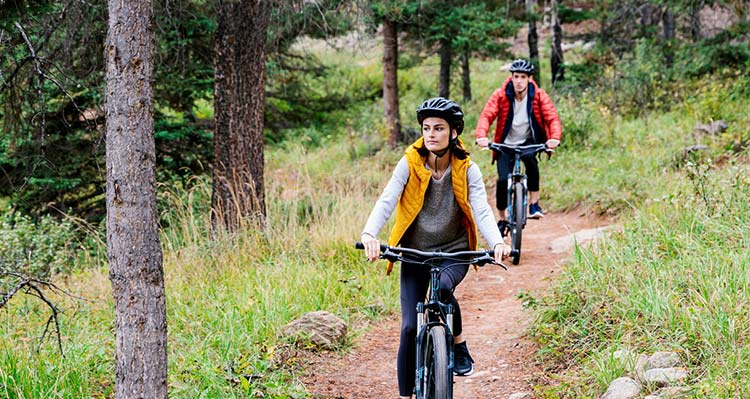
[494, 326]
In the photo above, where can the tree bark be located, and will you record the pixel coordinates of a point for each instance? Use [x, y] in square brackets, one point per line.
[390, 81]
[556, 61]
[239, 101]
[533, 39]
[134, 250]
[695, 19]
[445, 69]
[466, 76]
[668, 24]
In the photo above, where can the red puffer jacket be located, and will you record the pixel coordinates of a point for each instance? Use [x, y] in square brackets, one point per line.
[545, 123]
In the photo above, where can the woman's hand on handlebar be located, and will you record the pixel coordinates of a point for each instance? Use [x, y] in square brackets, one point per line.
[483, 142]
[372, 247]
[502, 251]
[552, 143]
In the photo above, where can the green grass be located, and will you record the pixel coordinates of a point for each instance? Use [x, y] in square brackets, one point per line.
[227, 299]
[675, 278]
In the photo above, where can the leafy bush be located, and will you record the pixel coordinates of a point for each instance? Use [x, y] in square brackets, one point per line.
[728, 50]
[36, 249]
[579, 122]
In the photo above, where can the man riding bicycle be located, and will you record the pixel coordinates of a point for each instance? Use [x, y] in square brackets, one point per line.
[525, 115]
[440, 202]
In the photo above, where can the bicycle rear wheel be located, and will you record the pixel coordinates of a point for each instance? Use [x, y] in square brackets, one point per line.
[517, 221]
[438, 379]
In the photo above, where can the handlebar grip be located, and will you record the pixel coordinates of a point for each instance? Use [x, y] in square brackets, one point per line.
[359, 245]
[513, 252]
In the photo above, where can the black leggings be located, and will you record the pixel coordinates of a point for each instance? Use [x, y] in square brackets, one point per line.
[505, 167]
[415, 280]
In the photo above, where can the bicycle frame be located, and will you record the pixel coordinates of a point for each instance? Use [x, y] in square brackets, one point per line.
[517, 177]
[434, 314]
[430, 315]
[517, 215]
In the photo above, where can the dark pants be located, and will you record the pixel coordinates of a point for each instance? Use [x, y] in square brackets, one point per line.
[415, 280]
[505, 167]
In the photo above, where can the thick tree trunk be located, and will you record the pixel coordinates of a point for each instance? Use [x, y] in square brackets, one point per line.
[556, 61]
[134, 251]
[668, 24]
[239, 101]
[533, 39]
[390, 81]
[445, 69]
[466, 76]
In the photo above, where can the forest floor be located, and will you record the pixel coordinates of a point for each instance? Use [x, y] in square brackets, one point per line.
[495, 325]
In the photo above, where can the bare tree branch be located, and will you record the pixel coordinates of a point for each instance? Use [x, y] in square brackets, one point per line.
[39, 79]
[33, 287]
[55, 312]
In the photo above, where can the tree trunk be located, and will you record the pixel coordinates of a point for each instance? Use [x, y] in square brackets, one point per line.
[533, 39]
[668, 23]
[390, 81]
[649, 19]
[695, 20]
[239, 101]
[556, 61]
[466, 75]
[134, 250]
[445, 69]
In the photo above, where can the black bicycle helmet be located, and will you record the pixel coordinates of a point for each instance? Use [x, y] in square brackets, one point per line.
[442, 108]
[521, 65]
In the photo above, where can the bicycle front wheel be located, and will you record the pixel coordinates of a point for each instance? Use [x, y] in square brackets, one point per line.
[438, 379]
[517, 223]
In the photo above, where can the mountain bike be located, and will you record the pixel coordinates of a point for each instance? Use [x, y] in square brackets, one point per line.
[517, 191]
[434, 372]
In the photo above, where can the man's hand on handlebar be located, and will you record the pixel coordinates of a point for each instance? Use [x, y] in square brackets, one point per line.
[372, 247]
[552, 143]
[483, 142]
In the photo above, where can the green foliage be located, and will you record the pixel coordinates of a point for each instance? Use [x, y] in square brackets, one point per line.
[572, 15]
[682, 271]
[478, 28]
[229, 296]
[36, 249]
[728, 50]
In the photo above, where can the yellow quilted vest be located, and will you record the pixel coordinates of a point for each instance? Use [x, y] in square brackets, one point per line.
[412, 198]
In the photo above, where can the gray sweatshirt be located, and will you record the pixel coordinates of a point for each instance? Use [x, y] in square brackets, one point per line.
[439, 209]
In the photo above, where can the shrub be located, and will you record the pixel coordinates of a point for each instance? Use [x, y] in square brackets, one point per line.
[36, 249]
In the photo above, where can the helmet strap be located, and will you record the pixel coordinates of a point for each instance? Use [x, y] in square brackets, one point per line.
[441, 153]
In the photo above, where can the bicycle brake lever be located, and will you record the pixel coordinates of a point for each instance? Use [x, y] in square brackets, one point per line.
[387, 254]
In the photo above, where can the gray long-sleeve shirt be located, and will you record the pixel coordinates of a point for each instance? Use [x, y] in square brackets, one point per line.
[388, 200]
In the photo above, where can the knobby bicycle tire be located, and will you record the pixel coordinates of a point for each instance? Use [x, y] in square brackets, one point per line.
[438, 378]
[518, 214]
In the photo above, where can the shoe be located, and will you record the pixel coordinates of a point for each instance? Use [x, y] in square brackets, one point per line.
[535, 211]
[503, 226]
[464, 364]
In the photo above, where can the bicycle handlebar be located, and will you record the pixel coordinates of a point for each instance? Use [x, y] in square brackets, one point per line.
[479, 258]
[528, 149]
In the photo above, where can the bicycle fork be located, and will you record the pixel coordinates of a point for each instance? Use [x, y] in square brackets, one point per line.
[425, 322]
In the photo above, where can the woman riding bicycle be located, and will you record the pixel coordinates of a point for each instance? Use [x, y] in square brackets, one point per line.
[525, 115]
[440, 200]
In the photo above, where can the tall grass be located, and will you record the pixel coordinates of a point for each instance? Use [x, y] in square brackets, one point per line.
[677, 276]
[227, 299]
